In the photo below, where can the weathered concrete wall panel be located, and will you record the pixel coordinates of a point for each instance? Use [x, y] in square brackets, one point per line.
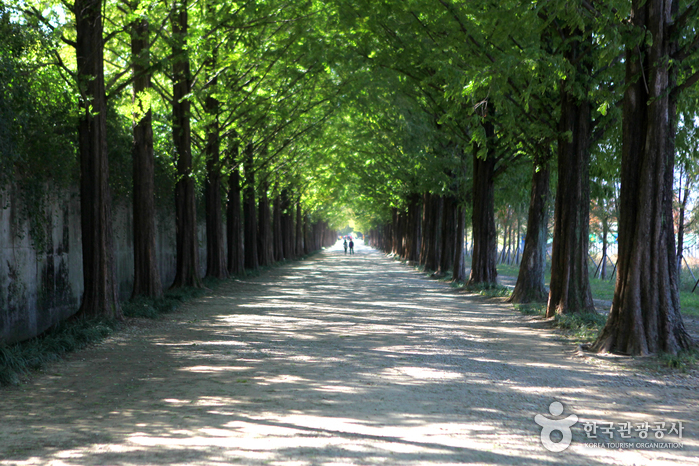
[40, 285]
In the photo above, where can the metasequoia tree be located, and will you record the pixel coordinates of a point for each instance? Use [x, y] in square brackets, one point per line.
[645, 315]
[215, 252]
[483, 260]
[530, 278]
[100, 297]
[146, 275]
[249, 211]
[187, 265]
[570, 285]
[234, 217]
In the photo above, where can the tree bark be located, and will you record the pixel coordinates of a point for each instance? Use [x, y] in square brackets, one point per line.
[306, 236]
[426, 226]
[299, 228]
[187, 263]
[449, 224]
[249, 211]
[459, 271]
[215, 252]
[277, 229]
[680, 223]
[414, 230]
[645, 315]
[287, 225]
[236, 251]
[146, 281]
[570, 285]
[100, 297]
[483, 262]
[605, 244]
[531, 283]
[434, 249]
[265, 249]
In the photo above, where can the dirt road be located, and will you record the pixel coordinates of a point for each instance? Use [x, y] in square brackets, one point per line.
[341, 359]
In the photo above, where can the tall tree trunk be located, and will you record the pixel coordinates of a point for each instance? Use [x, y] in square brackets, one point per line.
[299, 228]
[287, 225]
[426, 224]
[434, 249]
[645, 315]
[518, 239]
[265, 249]
[417, 229]
[605, 243]
[395, 231]
[570, 285]
[215, 252]
[277, 229]
[412, 252]
[680, 223]
[187, 264]
[511, 241]
[531, 283]
[459, 270]
[306, 236]
[483, 262]
[146, 280]
[100, 298]
[249, 210]
[234, 233]
[449, 224]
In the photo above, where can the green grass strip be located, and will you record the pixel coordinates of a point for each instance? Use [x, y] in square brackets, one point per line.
[20, 359]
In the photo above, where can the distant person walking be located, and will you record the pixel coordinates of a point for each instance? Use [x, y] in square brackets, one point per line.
[345, 245]
[351, 245]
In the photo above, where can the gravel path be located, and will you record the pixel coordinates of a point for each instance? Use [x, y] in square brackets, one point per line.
[339, 360]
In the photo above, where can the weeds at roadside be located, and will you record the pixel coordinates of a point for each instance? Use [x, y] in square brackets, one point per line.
[581, 327]
[20, 359]
[151, 308]
[531, 309]
[489, 290]
[683, 361]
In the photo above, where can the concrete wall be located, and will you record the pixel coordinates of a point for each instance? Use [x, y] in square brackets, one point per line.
[41, 288]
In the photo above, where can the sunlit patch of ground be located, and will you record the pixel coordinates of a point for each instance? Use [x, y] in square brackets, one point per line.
[340, 359]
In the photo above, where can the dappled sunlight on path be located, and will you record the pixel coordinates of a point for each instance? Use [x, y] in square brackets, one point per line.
[337, 359]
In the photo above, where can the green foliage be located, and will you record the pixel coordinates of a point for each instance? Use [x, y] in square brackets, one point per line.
[683, 361]
[602, 289]
[689, 303]
[583, 327]
[20, 359]
[489, 290]
[508, 270]
[119, 153]
[37, 127]
[534, 309]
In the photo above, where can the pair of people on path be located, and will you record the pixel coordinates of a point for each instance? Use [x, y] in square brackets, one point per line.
[351, 246]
